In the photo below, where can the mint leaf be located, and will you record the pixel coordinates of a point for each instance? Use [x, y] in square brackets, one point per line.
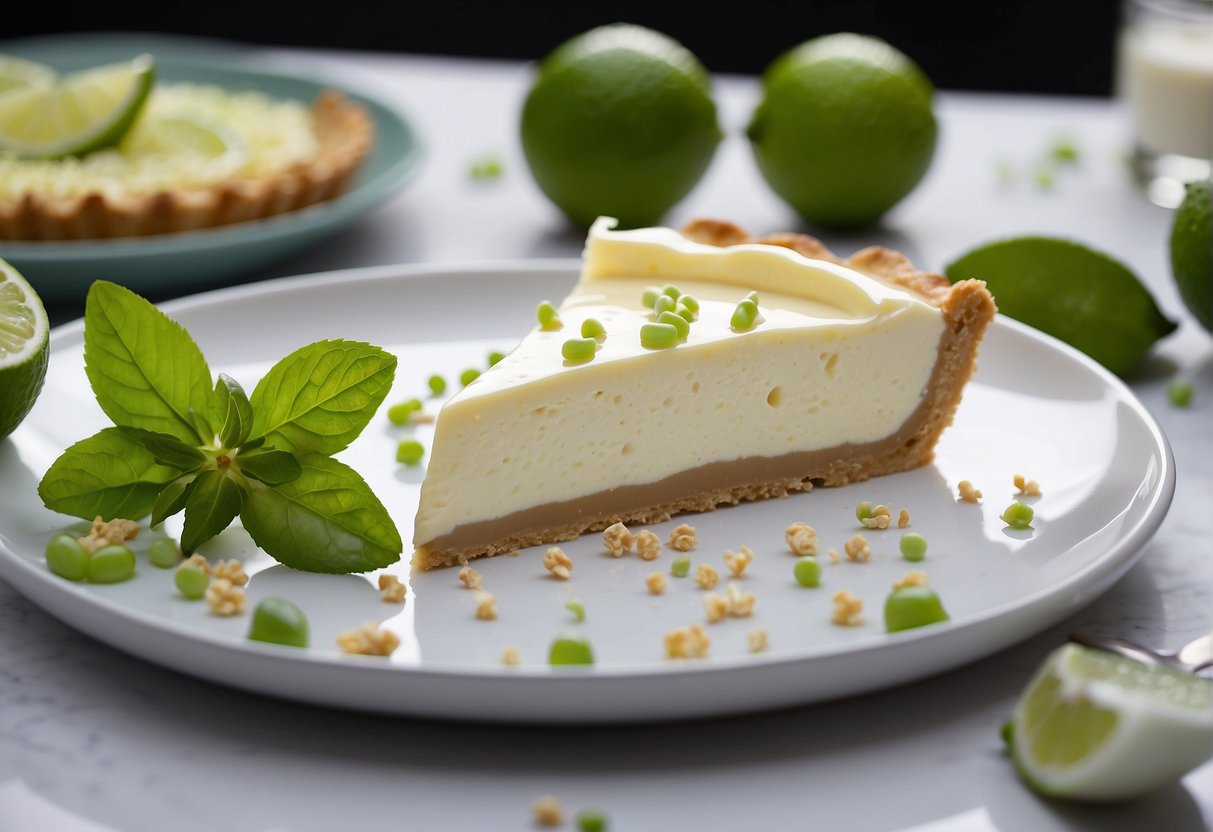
[172, 499]
[270, 466]
[111, 473]
[326, 520]
[168, 450]
[212, 503]
[143, 366]
[319, 398]
[234, 411]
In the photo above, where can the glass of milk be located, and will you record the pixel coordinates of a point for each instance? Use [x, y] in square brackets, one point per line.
[1165, 75]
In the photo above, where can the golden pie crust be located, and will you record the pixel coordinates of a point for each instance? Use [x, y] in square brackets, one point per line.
[344, 135]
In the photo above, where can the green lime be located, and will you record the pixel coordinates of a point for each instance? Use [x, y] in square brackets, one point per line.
[619, 122]
[177, 134]
[24, 348]
[1074, 293]
[1096, 726]
[17, 72]
[1192, 252]
[79, 113]
[845, 128]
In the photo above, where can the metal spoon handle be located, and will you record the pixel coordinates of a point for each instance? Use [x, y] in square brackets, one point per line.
[1196, 654]
[1121, 647]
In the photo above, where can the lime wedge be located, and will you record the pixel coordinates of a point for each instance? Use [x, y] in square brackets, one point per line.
[24, 348]
[184, 135]
[77, 114]
[18, 72]
[1096, 726]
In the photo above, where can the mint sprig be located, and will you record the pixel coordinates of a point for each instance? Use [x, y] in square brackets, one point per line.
[181, 443]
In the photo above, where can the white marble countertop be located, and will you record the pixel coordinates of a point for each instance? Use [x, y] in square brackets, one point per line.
[93, 739]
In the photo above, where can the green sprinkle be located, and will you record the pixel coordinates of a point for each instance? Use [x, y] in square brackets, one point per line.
[650, 296]
[468, 376]
[658, 336]
[744, 316]
[570, 648]
[486, 168]
[752, 296]
[1064, 151]
[576, 608]
[863, 511]
[591, 820]
[66, 558]
[164, 553]
[912, 606]
[409, 451]
[671, 291]
[593, 328]
[1018, 515]
[495, 357]
[278, 621]
[111, 565]
[677, 321]
[437, 384]
[1044, 178]
[398, 414]
[664, 303]
[191, 581]
[579, 350]
[681, 567]
[690, 302]
[1179, 391]
[913, 546]
[549, 318]
[807, 572]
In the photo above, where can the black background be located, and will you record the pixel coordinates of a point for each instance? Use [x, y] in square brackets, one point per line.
[1039, 46]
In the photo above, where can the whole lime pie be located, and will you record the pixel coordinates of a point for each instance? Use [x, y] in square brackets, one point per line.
[164, 157]
[794, 369]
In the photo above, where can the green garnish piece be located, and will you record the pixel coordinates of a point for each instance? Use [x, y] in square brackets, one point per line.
[191, 581]
[66, 558]
[487, 168]
[681, 567]
[110, 565]
[1064, 150]
[579, 350]
[409, 452]
[1018, 515]
[658, 336]
[752, 296]
[913, 546]
[495, 356]
[182, 442]
[548, 317]
[468, 376]
[690, 302]
[399, 414]
[570, 648]
[1179, 391]
[677, 321]
[863, 511]
[164, 553]
[437, 384]
[576, 608]
[744, 316]
[671, 291]
[650, 295]
[807, 571]
[683, 311]
[1044, 178]
[593, 328]
[278, 621]
[591, 820]
[912, 606]
[664, 303]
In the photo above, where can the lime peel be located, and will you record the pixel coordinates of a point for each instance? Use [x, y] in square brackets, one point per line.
[24, 347]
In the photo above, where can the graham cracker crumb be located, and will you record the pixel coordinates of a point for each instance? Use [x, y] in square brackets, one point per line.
[847, 608]
[738, 561]
[880, 518]
[618, 540]
[801, 539]
[648, 545]
[682, 539]
[741, 604]
[224, 598]
[1026, 487]
[912, 578]
[857, 549]
[706, 576]
[715, 606]
[196, 561]
[968, 494]
[486, 606]
[757, 639]
[368, 639]
[691, 642]
[470, 578]
[656, 582]
[109, 533]
[231, 570]
[835, 558]
[391, 591]
[558, 563]
[547, 811]
[510, 656]
[903, 518]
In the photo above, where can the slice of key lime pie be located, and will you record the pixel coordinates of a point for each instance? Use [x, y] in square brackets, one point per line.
[693, 369]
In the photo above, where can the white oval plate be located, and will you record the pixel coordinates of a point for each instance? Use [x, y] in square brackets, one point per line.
[1035, 407]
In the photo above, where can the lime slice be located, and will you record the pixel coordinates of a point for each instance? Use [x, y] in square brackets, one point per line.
[77, 114]
[1077, 294]
[212, 143]
[18, 72]
[1097, 726]
[24, 348]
